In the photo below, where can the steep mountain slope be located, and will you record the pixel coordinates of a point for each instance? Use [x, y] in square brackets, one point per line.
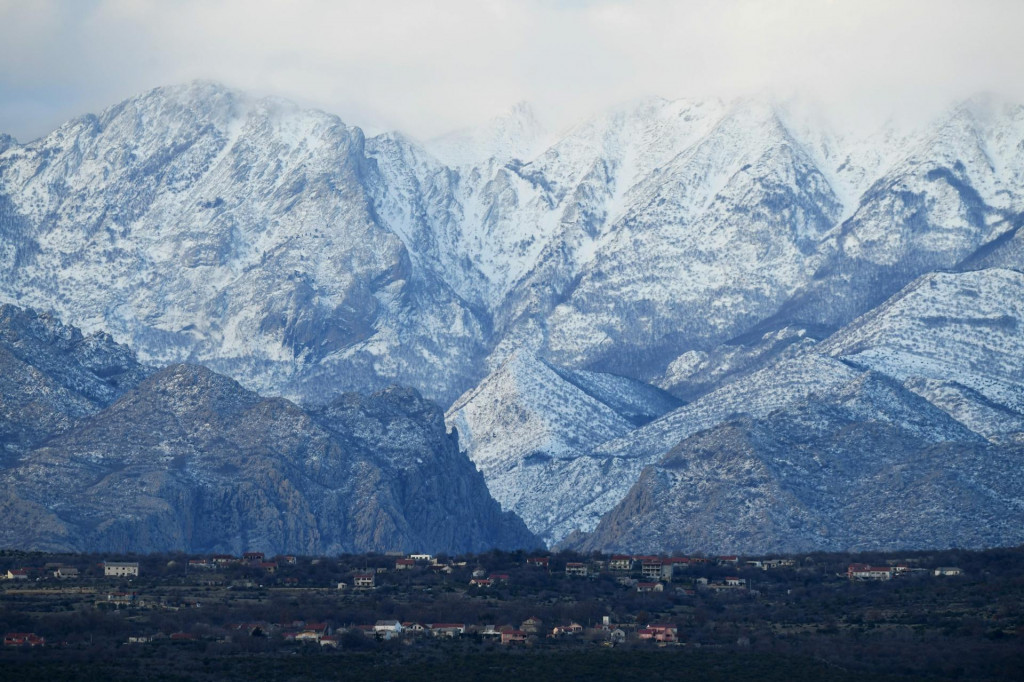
[957, 336]
[573, 492]
[283, 248]
[52, 375]
[958, 190]
[196, 224]
[526, 424]
[192, 461]
[944, 376]
[717, 240]
[843, 474]
[101, 453]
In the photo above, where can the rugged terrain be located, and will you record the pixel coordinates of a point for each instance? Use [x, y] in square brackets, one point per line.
[744, 257]
[187, 459]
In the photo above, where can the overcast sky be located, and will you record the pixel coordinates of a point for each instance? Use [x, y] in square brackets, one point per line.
[427, 67]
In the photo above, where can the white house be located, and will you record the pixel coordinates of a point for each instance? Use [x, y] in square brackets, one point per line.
[120, 569]
[364, 580]
[387, 629]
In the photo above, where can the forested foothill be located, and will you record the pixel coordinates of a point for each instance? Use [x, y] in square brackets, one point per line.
[499, 615]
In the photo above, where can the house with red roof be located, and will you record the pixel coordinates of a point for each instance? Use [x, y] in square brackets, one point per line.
[512, 636]
[660, 632]
[576, 568]
[23, 639]
[364, 581]
[620, 562]
[867, 572]
[447, 629]
[651, 568]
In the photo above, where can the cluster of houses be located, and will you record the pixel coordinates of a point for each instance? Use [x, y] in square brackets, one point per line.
[656, 571]
[367, 578]
[531, 629]
[130, 569]
[654, 568]
[249, 559]
[116, 569]
[888, 572]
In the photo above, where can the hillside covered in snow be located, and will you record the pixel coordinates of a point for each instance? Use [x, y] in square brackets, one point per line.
[582, 303]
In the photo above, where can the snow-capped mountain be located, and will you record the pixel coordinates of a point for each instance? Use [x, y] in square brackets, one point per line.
[935, 369]
[196, 224]
[281, 246]
[516, 134]
[956, 340]
[732, 253]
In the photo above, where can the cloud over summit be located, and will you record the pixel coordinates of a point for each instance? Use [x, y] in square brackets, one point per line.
[427, 67]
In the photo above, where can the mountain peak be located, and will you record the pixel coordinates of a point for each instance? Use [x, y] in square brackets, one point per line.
[515, 134]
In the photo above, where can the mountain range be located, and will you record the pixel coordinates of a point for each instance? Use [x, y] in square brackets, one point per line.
[733, 285]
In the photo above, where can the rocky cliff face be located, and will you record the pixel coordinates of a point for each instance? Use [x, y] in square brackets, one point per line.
[51, 375]
[197, 225]
[902, 428]
[740, 255]
[530, 426]
[841, 474]
[189, 460]
[284, 248]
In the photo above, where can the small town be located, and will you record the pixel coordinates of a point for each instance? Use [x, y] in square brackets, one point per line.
[529, 606]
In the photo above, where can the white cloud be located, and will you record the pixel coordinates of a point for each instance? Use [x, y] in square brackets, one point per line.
[429, 66]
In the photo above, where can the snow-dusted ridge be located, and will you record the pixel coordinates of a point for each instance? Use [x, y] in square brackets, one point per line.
[705, 247]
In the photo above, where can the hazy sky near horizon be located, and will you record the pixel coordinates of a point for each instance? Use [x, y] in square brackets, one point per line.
[428, 67]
